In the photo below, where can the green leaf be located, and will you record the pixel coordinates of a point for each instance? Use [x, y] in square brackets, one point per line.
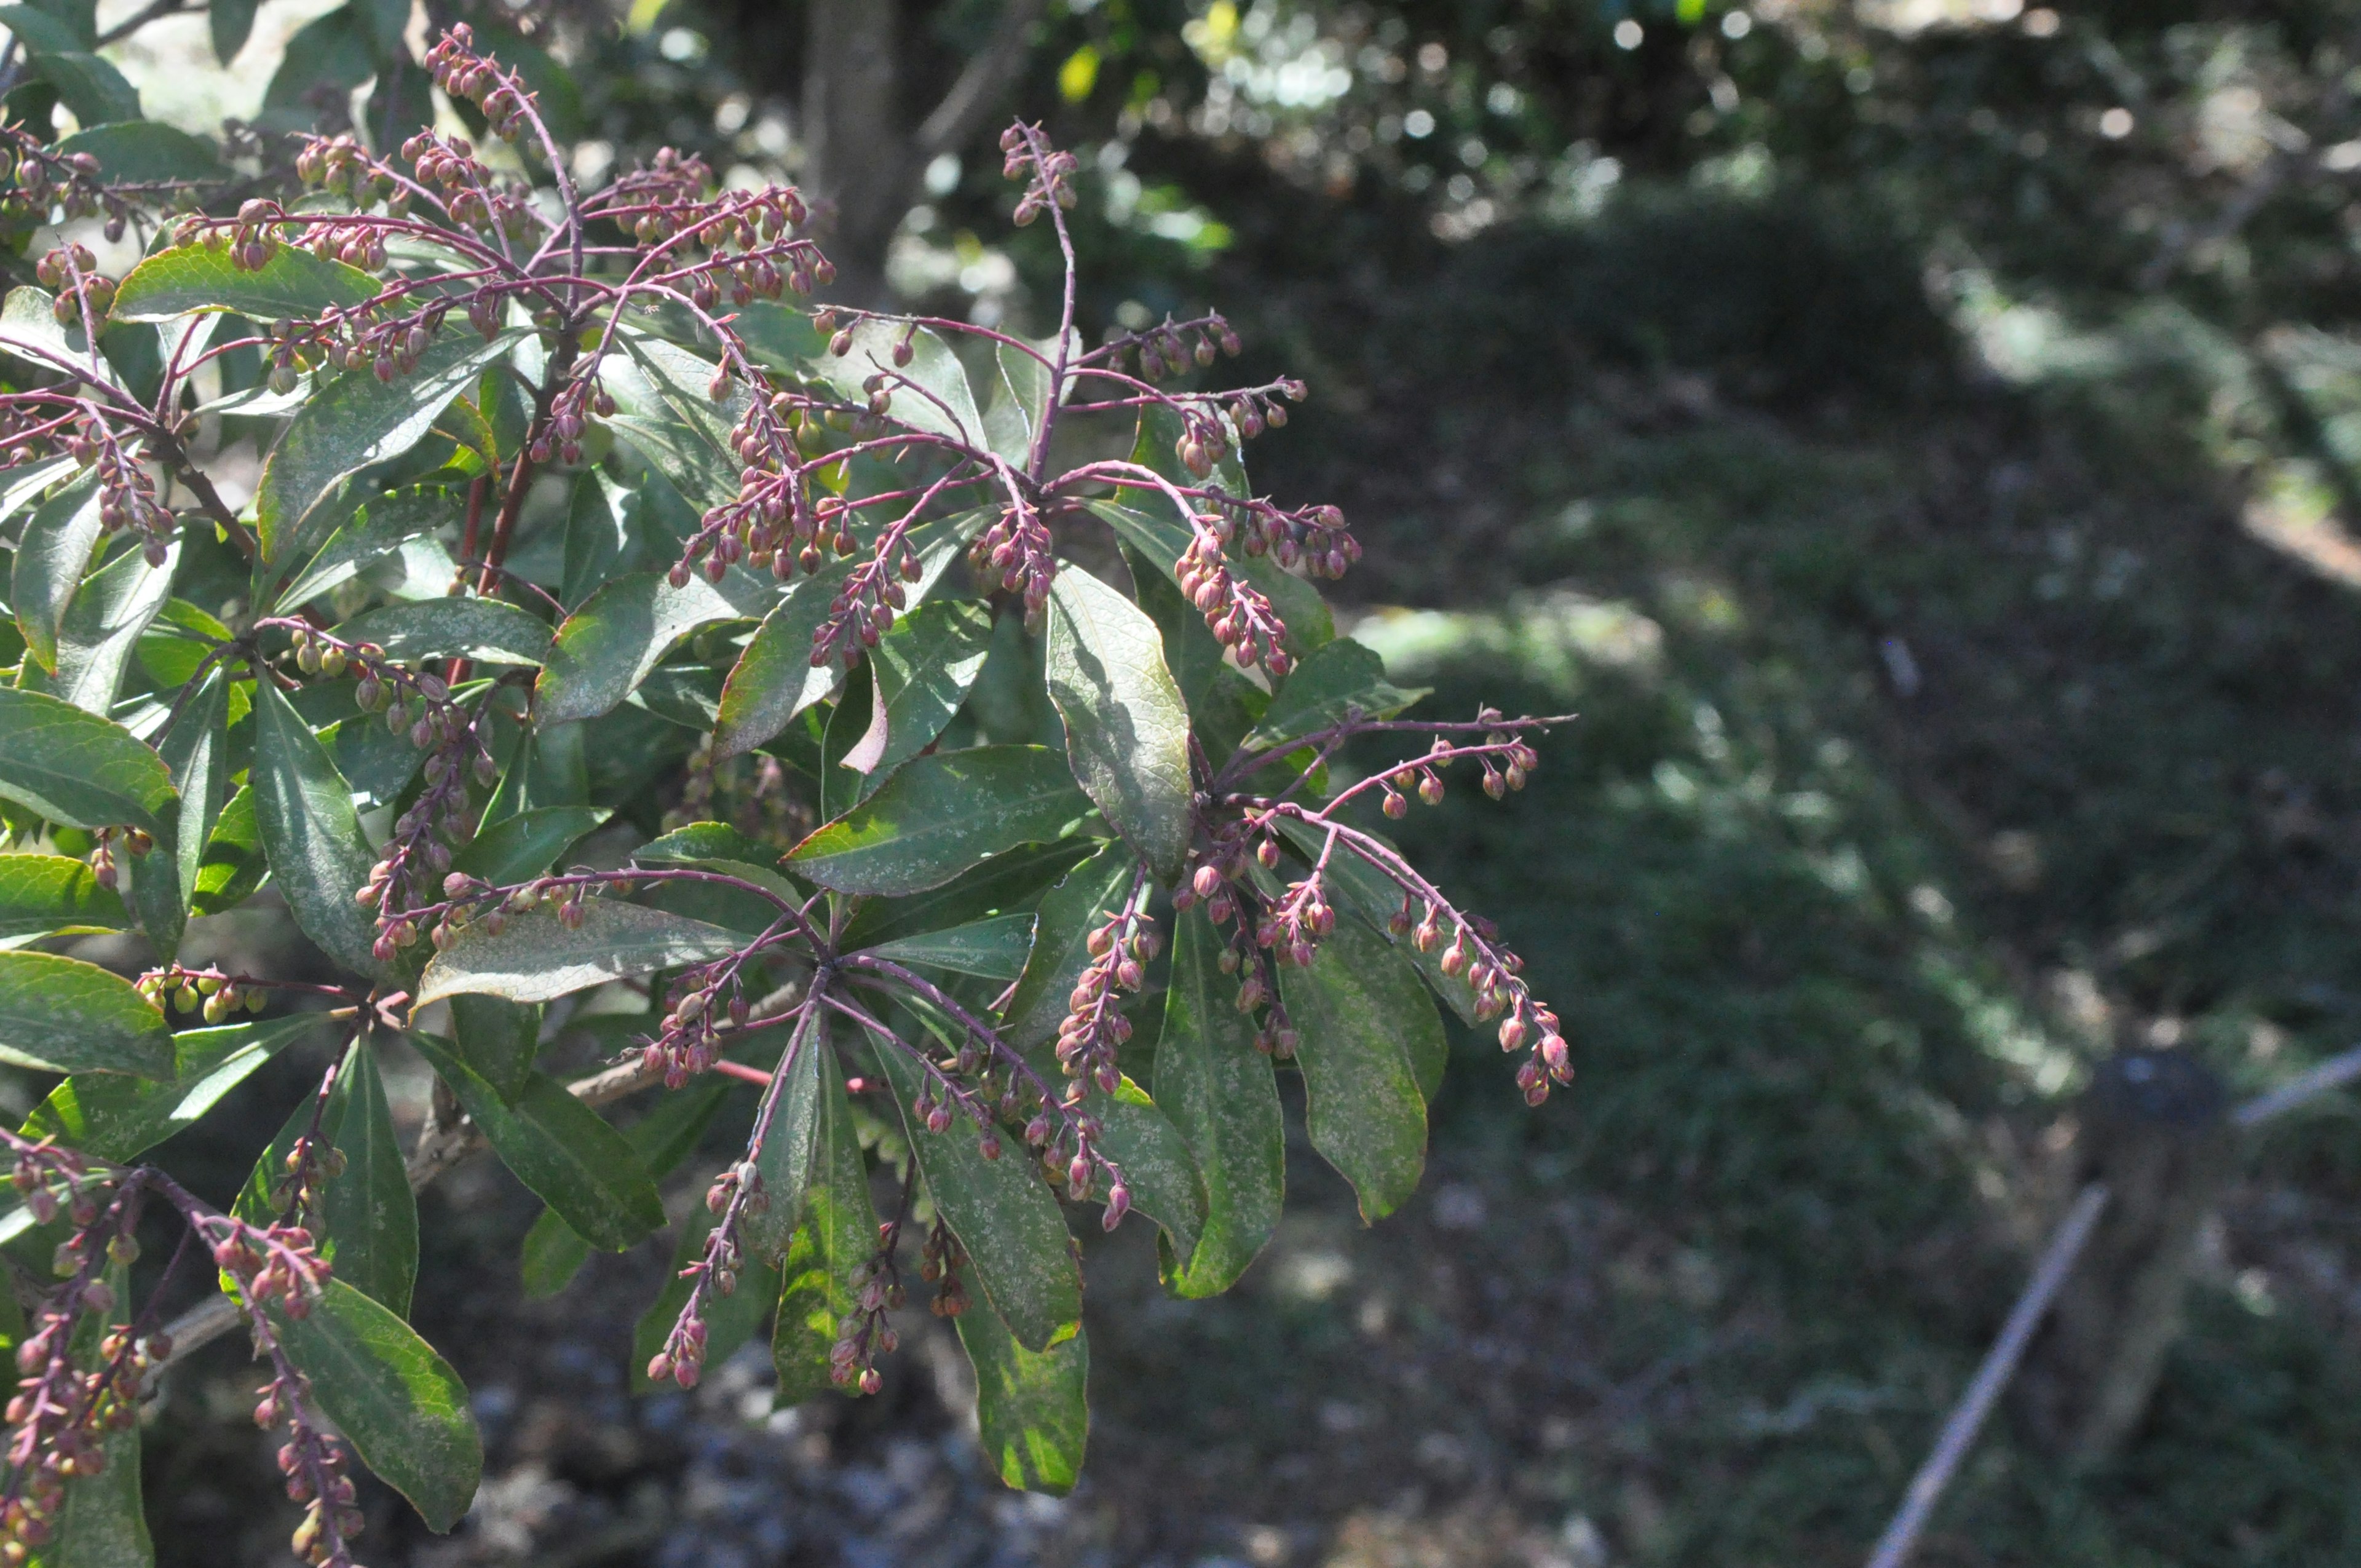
[520, 847]
[1222, 1096]
[101, 629]
[855, 734]
[44, 895]
[940, 816]
[1032, 1415]
[1126, 733]
[398, 1403]
[234, 863]
[1368, 893]
[1152, 1155]
[663, 412]
[994, 947]
[1163, 539]
[559, 1148]
[114, 1118]
[598, 537]
[1002, 1211]
[1363, 1019]
[354, 420]
[79, 770]
[304, 809]
[453, 628]
[785, 1160]
[41, 33]
[729, 1320]
[498, 1038]
[329, 51]
[554, 1251]
[1020, 395]
[537, 958]
[1190, 650]
[232, 24]
[384, 523]
[196, 750]
[775, 679]
[1012, 883]
[367, 1214]
[835, 1233]
[65, 1015]
[705, 841]
[937, 399]
[1334, 681]
[924, 666]
[91, 86]
[606, 648]
[1069, 913]
[177, 645]
[293, 283]
[51, 558]
[144, 152]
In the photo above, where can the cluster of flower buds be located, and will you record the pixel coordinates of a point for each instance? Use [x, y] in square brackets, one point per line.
[26, 435]
[704, 1004]
[1495, 976]
[341, 164]
[1014, 551]
[469, 195]
[1296, 922]
[1094, 1026]
[939, 1262]
[103, 863]
[63, 1414]
[314, 1465]
[281, 1262]
[1049, 174]
[70, 271]
[864, 606]
[1239, 615]
[669, 180]
[1220, 878]
[127, 495]
[570, 413]
[217, 995]
[352, 341]
[252, 236]
[460, 70]
[42, 1171]
[866, 1334]
[736, 1191]
[1169, 349]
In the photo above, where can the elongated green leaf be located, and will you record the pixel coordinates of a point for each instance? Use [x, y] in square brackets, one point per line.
[525, 846]
[90, 85]
[554, 1251]
[383, 524]
[1153, 1156]
[1126, 733]
[196, 749]
[101, 629]
[599, 536]
[398, 1403]
[234, 863]
[1020, 395]
[785, 1162]
[42, 894]
[177, 645]
[353, 421]
[498, 1038]
[1163, 539]
[1013, 883]
[42, 32]
[1032, 1414]
[1222, 1095]
[559, 1148]
[994, 948]
[936, 398]
[1002, 1214]
[65, 1015]
[116, 1118]
[940, 816]
[30, 330]
[50, 560]
[78, 769]
[1334, 681]
[605, 649]
[834, 1234]
[774, 678]
[453, 628]
[145, 152]
[1363, 1019]
[101, 1523]
[699, 841]
[232, 22]
[664, 410]
[304, 809]
[537, 958]
[367, 1214]
[201, 276]
[924, 666]
[1062, 931]
[28, 482]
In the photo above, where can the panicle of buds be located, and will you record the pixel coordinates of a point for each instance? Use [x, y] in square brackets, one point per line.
[70, 271]
[865, 604]
[341, 165]
[1048, 172]
[1094, 1026]
[939, 1262]
[1238, 614]
[38, 183]
[508, 106]
[385, 346]
[46, 1176]
[448, 164]
[865, 1334]
[216, 995]
[1168, 348]
[126, 493]
[1014, 553]
[576, 404]
[103, 858]
[704, 1005]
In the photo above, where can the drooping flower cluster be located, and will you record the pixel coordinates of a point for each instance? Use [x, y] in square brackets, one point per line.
[1094, 1026]
[1015, 553]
